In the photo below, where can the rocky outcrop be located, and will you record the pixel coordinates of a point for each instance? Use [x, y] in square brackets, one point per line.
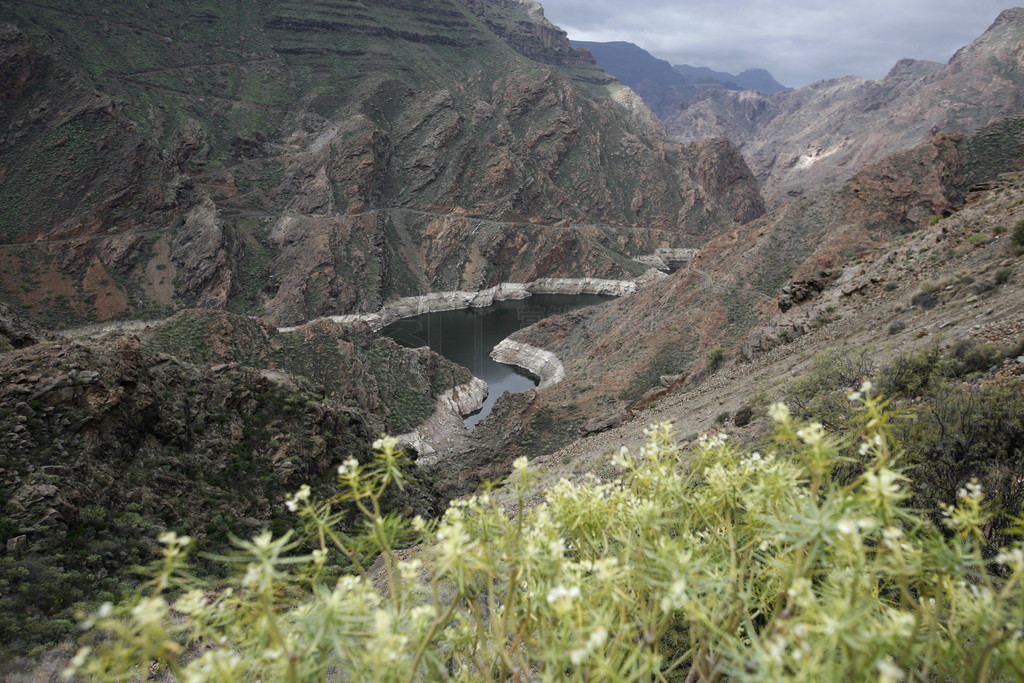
[544, 364]
[798, 140]
[720, 169]
[446, 420]
[16, 333]
[523, 25]
[662, 259]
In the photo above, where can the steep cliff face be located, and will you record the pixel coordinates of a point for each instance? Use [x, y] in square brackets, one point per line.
[226, 137]
[797, 140]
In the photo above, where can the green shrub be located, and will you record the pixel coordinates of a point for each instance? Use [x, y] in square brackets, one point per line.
[821, 391]
[715, 562]
[1002, 275]
[958, 436]
[1018, 234]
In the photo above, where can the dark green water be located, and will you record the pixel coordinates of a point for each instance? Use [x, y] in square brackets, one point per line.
[467, 336]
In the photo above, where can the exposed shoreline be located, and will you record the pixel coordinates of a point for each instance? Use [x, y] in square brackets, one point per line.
[455, 300]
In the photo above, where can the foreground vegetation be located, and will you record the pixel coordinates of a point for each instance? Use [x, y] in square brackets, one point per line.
[694, 564]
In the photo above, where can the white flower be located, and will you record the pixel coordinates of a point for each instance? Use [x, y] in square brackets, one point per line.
[192, 602]
[348, 467]
[779, 412]
[561, 598]
[520, 464]
[560, 592]
[882, 486]
[252, 575]
[76, 662]
[150, 611]
[410, 569]
[385, 443]
[173, 540]
[846, 527]
[597, 638]
[621, 459]
[971, 490]
[301, 495]
[888, 672]
[1014, 559]
[812, 434]
[676, 597]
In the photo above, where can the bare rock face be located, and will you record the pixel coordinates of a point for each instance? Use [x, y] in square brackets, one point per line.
[274, 184]
[798, 140]
[522, 23]
[724, 175]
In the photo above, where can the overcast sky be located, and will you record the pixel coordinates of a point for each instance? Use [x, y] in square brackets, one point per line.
[799, 41]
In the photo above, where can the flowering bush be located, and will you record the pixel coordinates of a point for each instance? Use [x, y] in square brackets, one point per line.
[694, 564]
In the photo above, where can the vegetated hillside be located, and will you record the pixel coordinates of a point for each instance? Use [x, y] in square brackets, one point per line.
[664, 87]
[727, 300]
[935, 318]
[794, 141]
[202, 423]
[294, 158]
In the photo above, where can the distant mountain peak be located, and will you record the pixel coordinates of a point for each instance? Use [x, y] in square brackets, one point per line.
[751, 79]
[665, 87]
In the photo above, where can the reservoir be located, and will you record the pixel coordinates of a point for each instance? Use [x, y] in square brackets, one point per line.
[466, 336]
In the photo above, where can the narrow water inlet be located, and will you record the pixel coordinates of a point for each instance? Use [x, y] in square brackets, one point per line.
[467, 336]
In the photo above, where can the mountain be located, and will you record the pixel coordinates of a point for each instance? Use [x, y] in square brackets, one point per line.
[797, 140]
[735, 300]
[751, 79]
[299, 160]
[664, 87]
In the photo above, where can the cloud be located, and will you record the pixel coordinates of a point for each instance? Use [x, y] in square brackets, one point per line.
[799, 41]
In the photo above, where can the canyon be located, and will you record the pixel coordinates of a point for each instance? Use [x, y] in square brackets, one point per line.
[269, 184]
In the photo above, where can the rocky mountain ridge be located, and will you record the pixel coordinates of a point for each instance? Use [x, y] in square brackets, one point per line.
[664, 87]
[298, 160]
[797, 140]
